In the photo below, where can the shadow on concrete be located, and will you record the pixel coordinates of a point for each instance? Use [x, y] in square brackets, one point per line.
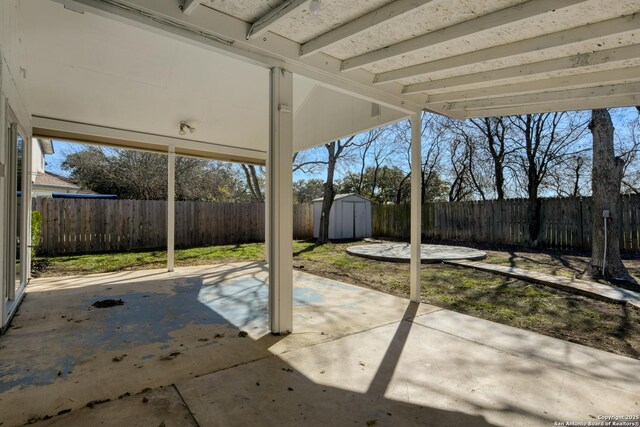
[183, 328]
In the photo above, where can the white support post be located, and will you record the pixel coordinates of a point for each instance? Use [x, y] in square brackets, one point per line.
[267, 207]
[416, 206]
[4, 211]
[28, 202]
[171, 208]
[280, 204]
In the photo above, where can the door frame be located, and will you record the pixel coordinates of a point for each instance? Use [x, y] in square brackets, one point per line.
[12, 295]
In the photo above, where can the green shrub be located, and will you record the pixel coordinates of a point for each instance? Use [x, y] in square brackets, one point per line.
[36, 231]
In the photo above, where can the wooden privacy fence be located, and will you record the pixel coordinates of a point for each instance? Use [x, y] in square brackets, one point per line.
[94, 225]
[565, 223]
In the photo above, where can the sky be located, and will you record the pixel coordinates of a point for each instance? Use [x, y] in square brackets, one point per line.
[61, 150]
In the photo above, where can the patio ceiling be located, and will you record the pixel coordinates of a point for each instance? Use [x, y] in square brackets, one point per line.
[459, 58]
[471, 58]
[92, 78]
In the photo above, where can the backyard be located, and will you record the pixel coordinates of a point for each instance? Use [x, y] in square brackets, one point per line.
[578, 319]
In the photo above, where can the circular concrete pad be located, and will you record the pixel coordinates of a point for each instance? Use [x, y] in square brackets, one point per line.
[400, 252]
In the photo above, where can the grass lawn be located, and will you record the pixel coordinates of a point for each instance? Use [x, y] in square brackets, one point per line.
[514, 302]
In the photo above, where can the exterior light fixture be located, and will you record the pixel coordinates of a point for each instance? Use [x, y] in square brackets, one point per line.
[314, 7]
[184, 127]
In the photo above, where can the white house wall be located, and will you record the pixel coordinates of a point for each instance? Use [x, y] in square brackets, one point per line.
[12, 93]
[37, 159]
[14, 82]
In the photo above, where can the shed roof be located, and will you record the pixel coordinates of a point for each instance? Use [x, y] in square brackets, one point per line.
[343, 196]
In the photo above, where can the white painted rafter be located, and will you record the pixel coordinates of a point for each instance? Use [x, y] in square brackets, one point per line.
[268, 20]
[365, 22]
[585, 33]
[188, 6]
[225, 34]
[572, 81]
[581, 60]
[614, 101]
[486, 22]
[628, 89]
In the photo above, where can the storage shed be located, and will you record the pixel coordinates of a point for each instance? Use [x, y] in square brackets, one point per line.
[350, 217]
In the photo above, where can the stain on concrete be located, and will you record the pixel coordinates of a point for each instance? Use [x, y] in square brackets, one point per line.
[150, 318]
[145, 318]
[20, 373]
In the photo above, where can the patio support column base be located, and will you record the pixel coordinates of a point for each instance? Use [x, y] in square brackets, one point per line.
[280, 193]
[416, 206]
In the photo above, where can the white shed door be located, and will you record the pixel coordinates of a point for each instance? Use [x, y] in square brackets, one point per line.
[354, 220]
[360, 220]
[348, 217]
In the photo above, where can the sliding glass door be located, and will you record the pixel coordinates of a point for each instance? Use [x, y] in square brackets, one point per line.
[17, 214]
[19, 169]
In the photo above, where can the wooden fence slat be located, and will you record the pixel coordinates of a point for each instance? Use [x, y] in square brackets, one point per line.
[84, 226]
[565, 223]
[77, 225]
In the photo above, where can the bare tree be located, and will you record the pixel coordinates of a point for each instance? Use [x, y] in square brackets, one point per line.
[572, 176]
[371, 151]
[607, 177]
[335, 150]
[433, 134]
[543, 141]
[253, 182]
[628, 149]
[461, 187]
[495, 132]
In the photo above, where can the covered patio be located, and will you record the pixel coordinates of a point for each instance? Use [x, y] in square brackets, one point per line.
[172, 353]
[255, 82]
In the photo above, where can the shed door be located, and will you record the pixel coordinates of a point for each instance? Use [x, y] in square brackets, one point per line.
[360, 220]
[348, 223]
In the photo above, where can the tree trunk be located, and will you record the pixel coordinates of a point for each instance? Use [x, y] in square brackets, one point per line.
[253, 183]
[329, 195]
[534, 202]
[499, 175]
[606, 182]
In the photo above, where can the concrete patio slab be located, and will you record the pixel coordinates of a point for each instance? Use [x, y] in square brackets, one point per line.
[607, 368]
[401, 252]
[356, 356]
[154, 408]
[62, 353]
[402, 374]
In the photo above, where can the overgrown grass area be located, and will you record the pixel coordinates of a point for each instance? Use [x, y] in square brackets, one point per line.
[514, 302]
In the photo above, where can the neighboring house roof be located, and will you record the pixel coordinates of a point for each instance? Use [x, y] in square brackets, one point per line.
[342, 196]
[50, 180]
